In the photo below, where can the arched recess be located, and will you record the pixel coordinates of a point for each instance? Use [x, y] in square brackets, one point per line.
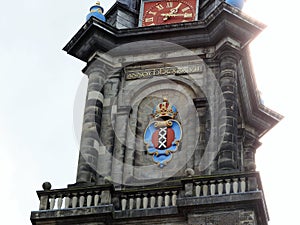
[139, 167]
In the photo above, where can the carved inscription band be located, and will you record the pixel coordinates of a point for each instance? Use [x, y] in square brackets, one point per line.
[139, 73]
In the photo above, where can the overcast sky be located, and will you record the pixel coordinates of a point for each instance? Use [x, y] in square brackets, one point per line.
[39, 84]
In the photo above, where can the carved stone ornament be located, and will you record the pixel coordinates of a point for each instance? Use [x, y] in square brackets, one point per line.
[163, 134]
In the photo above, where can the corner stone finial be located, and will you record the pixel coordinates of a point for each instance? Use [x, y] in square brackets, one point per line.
[47, 186]
[189, 172]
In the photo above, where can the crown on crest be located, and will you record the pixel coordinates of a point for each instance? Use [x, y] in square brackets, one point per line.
[164, 109]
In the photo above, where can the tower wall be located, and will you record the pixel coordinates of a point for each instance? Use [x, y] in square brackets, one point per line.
[187, 86]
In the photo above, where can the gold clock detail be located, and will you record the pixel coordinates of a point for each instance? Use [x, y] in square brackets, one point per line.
[168, 11]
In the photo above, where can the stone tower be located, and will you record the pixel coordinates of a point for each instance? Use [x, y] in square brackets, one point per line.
[172, 118]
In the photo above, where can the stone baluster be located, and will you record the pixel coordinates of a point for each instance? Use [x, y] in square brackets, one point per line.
[96, 199]
[167, 199]
[59, 202]
[52, 202]
[89, 200]
[138, 201]
[243, 184]
[81, 200]
[227, 186]
[174, 198]
[220, 187]
[67, 202]
[131, 202]
[152, 200]
[145, 201]
[123, 202]
[198, 189]
[228, 83]
[205, 188]
[212, 187]
[159, 199]
[235, 185]
[74, 201]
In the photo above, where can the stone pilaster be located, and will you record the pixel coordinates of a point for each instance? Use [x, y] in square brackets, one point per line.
[120, 144]
[202, 107]
[250, 144]
[90, 144]
[107, 132]
[228, 84]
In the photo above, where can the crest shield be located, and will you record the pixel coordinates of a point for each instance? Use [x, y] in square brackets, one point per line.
[163, 135]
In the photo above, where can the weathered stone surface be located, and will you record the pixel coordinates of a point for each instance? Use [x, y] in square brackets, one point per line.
[206, 73]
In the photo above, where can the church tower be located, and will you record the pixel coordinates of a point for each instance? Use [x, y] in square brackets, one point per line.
[172, 118]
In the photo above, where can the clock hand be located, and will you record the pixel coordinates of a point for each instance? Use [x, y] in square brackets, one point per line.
[175, 10]
[167, 15]
[172, 11]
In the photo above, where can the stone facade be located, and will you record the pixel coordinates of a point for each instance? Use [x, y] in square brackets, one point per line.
[204, 69]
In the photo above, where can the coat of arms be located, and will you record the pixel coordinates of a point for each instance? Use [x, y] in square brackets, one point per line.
[163, 134]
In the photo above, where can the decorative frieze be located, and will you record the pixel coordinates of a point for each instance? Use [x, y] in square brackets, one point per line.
[148, 71]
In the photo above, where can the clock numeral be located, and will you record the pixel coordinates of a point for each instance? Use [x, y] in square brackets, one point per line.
[151, 24]
[185, 9]
[169, 4]
[188, 15]
[148, 20]
[184, 21]
[153, 13]
[159, 7]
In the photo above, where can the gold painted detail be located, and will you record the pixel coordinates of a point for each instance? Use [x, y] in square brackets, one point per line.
[167, 123]
[139, 73]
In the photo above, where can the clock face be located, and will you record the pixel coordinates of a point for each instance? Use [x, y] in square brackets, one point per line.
[168, 11]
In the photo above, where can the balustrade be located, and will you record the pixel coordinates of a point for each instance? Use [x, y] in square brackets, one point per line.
[68, 198]
[223, 185]
[147, 197]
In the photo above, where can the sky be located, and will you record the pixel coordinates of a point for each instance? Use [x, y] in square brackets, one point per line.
[42, 91]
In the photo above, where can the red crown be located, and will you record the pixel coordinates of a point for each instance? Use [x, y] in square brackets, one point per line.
[165, 109]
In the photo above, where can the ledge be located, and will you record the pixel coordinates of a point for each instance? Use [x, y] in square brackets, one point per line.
[224, 21]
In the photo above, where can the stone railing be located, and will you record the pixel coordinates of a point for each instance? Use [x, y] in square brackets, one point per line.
[144, 198]
[148, 196]
[221, 185]
[73, 197]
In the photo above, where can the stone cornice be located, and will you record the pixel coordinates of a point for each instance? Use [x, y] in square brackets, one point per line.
[224, 21]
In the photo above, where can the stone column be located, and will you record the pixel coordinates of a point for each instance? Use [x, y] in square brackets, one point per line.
[250, 144]
[228, 84]
[107, 132]
[201, 106]
[90, 141]
[120, 143]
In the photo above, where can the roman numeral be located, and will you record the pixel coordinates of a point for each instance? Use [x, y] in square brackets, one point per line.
[159, 6]
[185, 9]
[188, 15]
[153, 13]
[169, 4]
[148, 20]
